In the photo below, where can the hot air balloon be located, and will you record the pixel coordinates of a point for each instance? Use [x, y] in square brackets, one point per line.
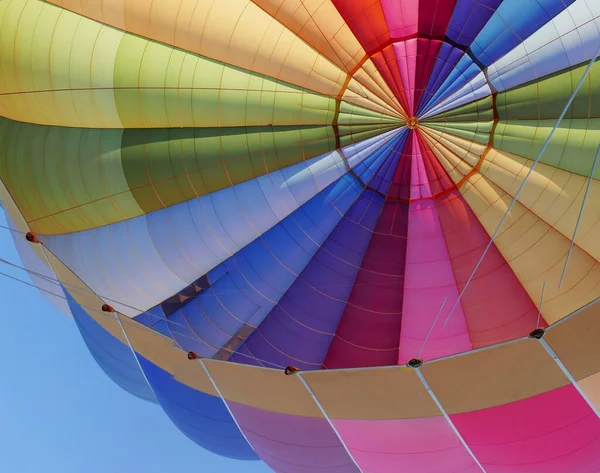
[347, 236]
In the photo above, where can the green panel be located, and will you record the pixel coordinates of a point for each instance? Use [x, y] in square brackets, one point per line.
[65, 179]
[481, 110]
[167, 166]
[71, 179]
[354, 134]
[547, 98]
[536, 100]
[474, 131]
[161, 87]
[572, 147]
[353, 114]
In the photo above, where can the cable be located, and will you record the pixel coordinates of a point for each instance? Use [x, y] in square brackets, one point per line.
[585, 196]
[522, 186]
[97, 310]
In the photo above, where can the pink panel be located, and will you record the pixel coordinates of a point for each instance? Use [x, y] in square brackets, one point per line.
[407, 445]
[292, 444]
[387, 65]
[419, 182]
[400, 187]
[406, 57]
[402, 17]
[415, 59]
[496, 305]
[428, 279]
[427, 55]
[409, 17]
[555, 432]
[369, 329]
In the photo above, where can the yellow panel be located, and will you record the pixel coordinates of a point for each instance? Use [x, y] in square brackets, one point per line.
[553, 194]
[17, 217]
[357, 94]
[367, 73]
[468, 151]
[458, 156]
[535, 251]
[575, 341]
[57, 51]
[236, 32]
[262, 388]
[163, 352]
[320, 24]
[591, 387]
[493, 376]
[370, 394]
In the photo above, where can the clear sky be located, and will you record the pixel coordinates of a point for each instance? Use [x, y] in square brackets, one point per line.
[59, 412]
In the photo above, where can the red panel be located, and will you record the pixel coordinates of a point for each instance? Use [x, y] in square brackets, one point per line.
[415, 58]
[429, 18]
[496, 305]
[369, 330]
[434, 16]
[366, 20]
[427, 51]
[400, 186]
[386, 63]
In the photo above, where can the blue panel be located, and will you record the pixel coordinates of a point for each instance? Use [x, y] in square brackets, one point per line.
[464, 71]
[385, 174]
[468, 19]
[201, 417]
[299, 329]
[447, 59]
[514, 21]
[114, 357]
[250, 283]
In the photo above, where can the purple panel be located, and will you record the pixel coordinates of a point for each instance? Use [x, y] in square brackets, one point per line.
[381, 181]
[468, 19]
[448, 58]
[293, 444]
[298, 331]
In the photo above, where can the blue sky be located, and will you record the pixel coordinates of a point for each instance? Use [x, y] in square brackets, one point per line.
[60, 413]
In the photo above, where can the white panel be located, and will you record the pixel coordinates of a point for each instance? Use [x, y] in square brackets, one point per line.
[143, 261]
[569, 39]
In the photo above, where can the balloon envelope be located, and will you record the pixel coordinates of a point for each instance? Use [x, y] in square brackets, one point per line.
[338, 187]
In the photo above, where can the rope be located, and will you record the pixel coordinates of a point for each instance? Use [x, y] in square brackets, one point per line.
[585, 196]
[522, 186]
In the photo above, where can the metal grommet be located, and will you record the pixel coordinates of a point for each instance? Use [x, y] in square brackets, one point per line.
[107, 308]
[192, 355]
[291, 370]
[415, 363]
[538, 333]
